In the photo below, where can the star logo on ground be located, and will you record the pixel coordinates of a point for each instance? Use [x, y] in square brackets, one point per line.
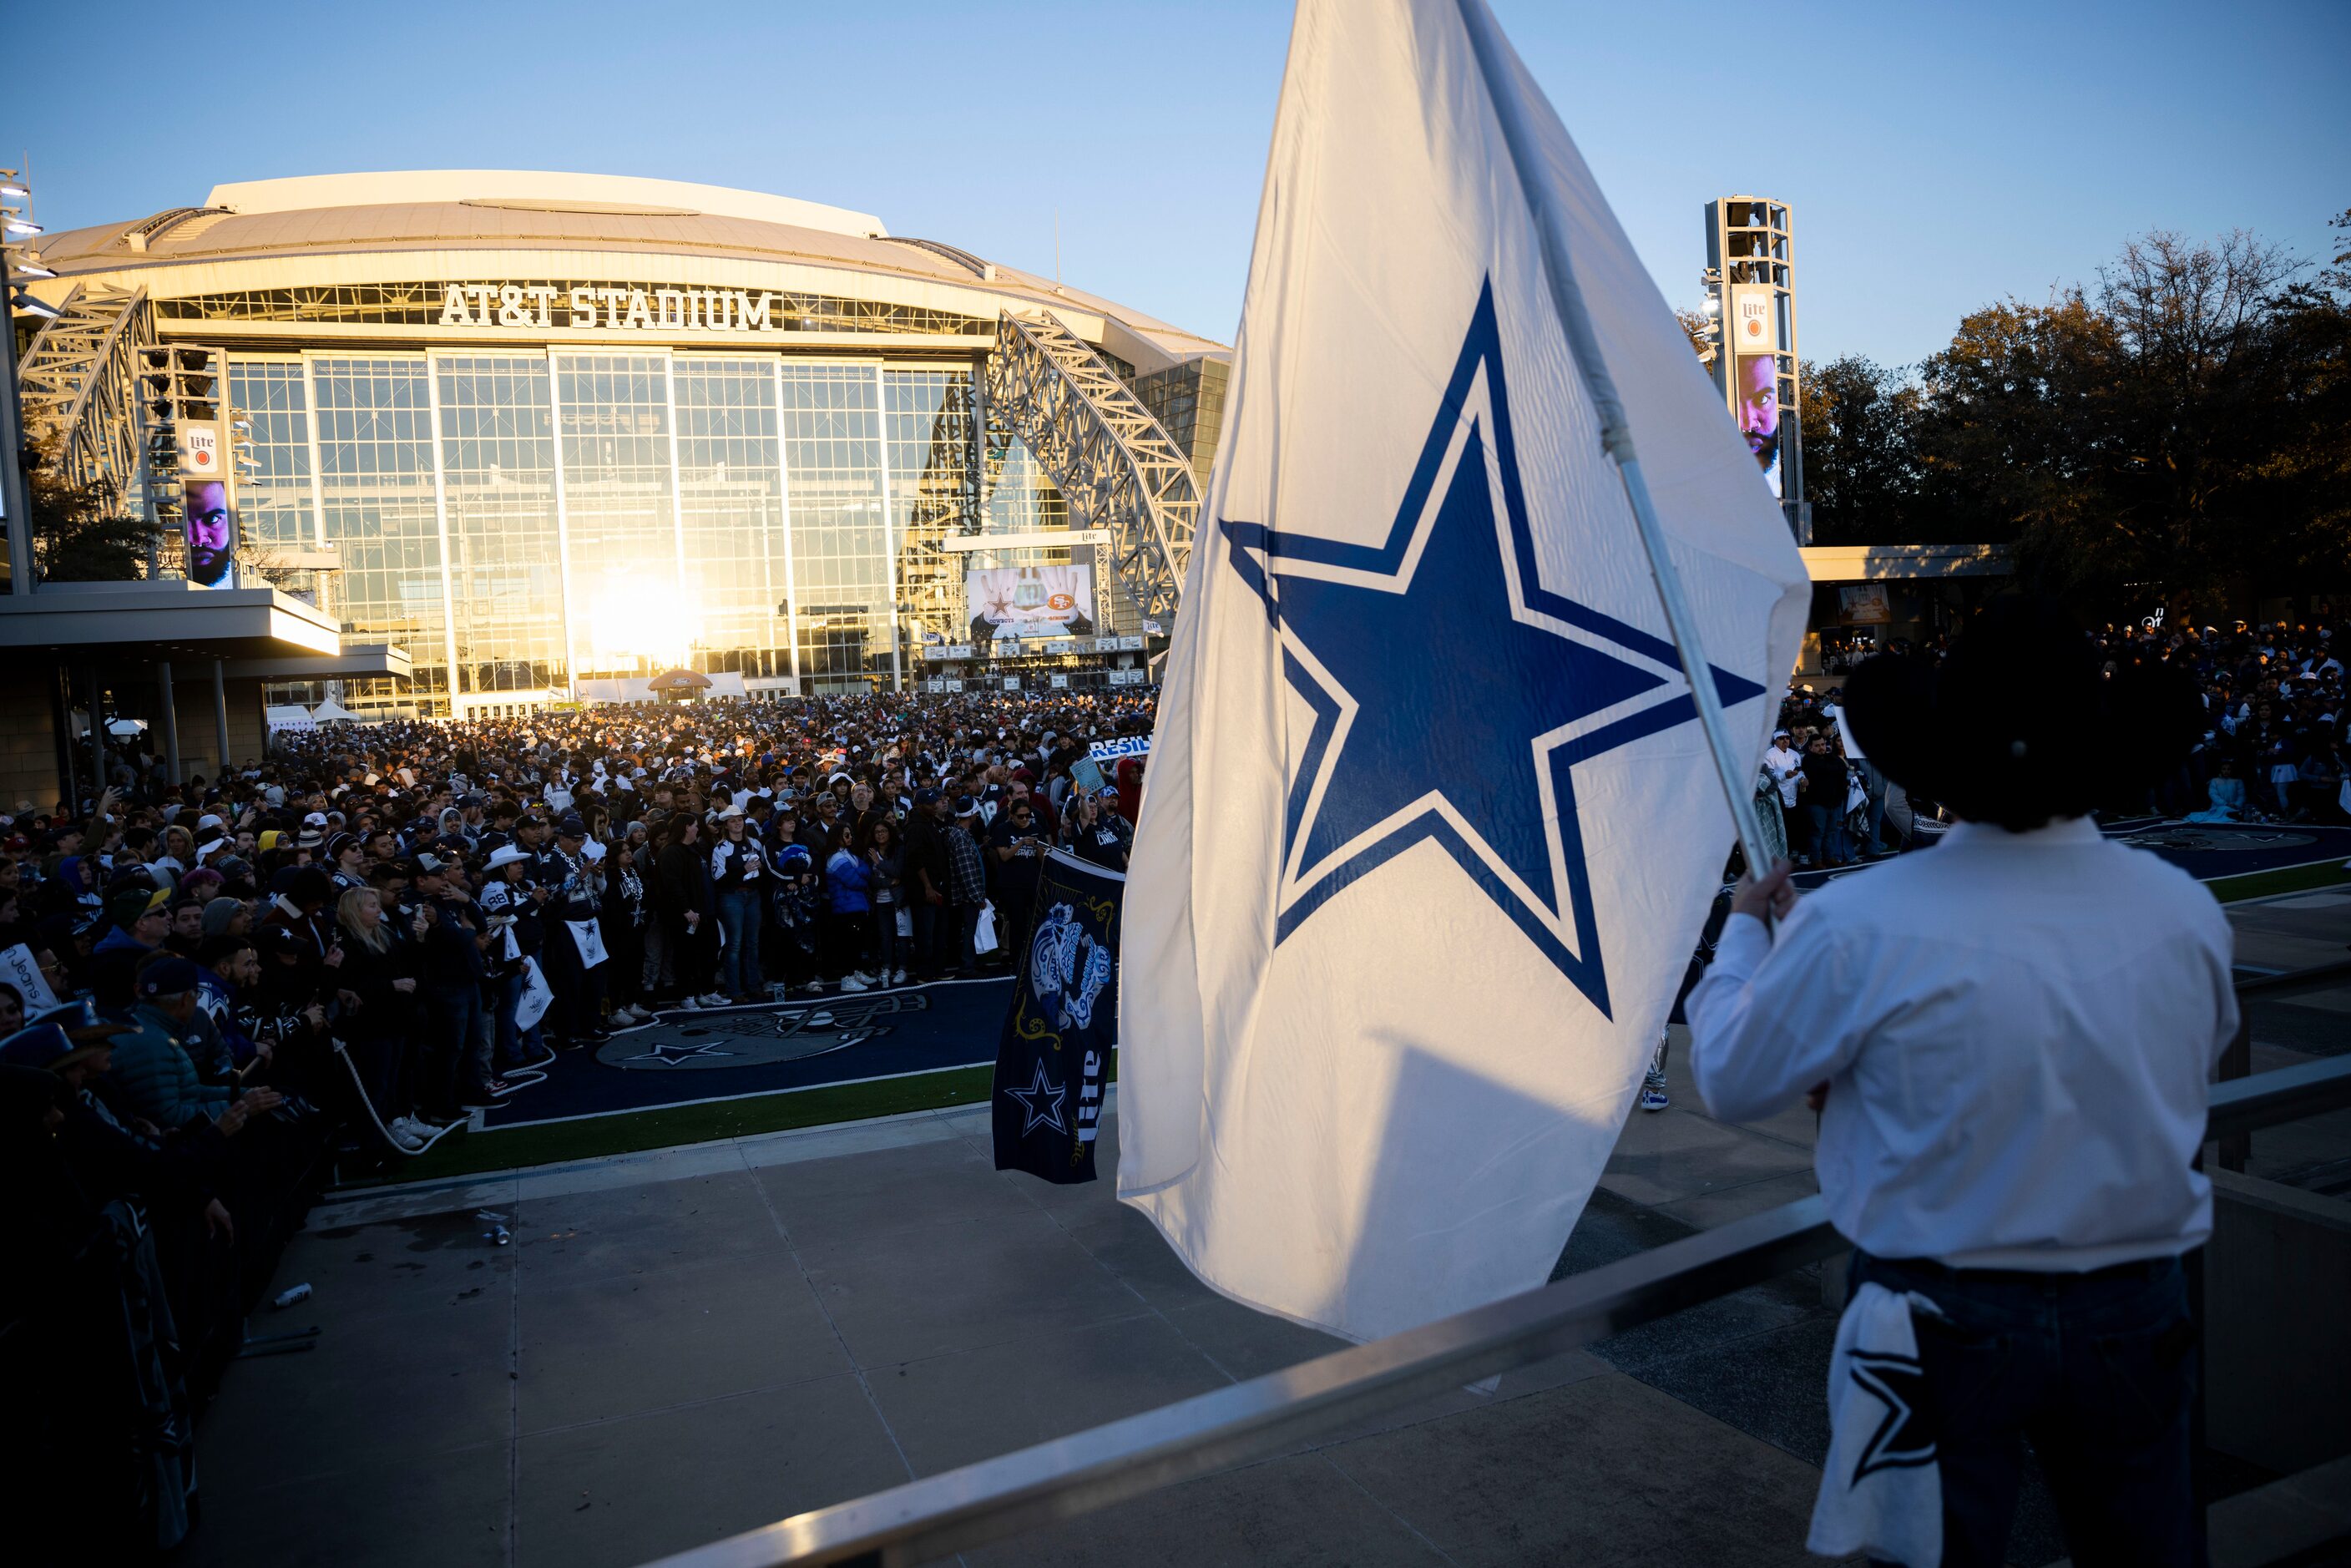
[1453, 693]
[671, 1055]
[1902, 1439]
[1040, 1104]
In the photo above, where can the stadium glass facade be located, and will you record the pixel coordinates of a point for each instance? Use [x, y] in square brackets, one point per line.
[510, 518]
[543, 430]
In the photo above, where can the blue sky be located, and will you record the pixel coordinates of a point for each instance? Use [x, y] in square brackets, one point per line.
[1938, 157]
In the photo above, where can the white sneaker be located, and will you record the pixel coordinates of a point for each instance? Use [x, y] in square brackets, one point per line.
[861, 974]
[691, 1003]
[716, 999]
[404, 1133]
[897, 977]
[852, 983]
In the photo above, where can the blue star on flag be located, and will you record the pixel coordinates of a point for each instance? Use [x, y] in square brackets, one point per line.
[1453, 693]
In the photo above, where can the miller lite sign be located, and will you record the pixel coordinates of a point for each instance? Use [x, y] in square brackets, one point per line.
[1753, 325]
[200, 453]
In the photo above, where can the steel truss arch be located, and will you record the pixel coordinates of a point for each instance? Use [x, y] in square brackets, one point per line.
[1111, 460]
[79, 383]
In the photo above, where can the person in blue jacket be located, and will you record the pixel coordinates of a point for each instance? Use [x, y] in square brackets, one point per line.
[851, 927]
[152, 1076]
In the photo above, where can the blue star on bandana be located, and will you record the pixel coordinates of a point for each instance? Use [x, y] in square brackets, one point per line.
[1453, 693]
[1040, 1104]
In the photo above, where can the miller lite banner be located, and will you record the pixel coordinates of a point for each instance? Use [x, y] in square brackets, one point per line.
[1052, 1061]
[200, 454]
[1754, 320]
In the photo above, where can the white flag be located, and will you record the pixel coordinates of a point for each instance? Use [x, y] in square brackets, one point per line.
[537, 997]
[1431, 827]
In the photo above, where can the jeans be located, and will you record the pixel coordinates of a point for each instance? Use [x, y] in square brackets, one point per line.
[460, 1054]
[1831, 843]
[966, 923]
[1872, 786]
[740, 909]
[842, 935]
[654, 977]
[889, 948]
[2098, 1370]
[928, 960]
[515, 1044]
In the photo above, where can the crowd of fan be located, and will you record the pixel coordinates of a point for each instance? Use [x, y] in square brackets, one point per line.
[334, 954]
[2277, 729]
[2276, 735]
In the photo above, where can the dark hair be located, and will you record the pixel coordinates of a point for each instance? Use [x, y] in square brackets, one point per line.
[111, 976]
[2020, 725]
[213, 949]
[311, 887]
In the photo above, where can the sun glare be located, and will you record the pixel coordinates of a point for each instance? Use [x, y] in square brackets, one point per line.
[650, 619]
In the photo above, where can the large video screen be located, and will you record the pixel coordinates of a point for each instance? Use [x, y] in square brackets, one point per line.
[211, 532]
[1016, 601]
[1759, 412]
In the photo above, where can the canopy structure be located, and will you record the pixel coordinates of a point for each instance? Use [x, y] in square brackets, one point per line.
[638, 688]
[332, 712]
[673, 683]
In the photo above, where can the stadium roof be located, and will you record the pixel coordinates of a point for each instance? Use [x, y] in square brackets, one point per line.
[381, 215]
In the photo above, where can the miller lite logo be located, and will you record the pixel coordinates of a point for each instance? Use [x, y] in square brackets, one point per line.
[199, 450]
[1752, 320]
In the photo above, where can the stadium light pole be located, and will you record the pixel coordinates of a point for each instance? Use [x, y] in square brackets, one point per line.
[1615, 436]
[14, 499]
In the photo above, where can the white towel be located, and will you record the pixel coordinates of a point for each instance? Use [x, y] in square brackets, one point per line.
[1881, 1490]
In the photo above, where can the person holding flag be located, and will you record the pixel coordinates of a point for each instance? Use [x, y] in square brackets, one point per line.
[2008, 1040]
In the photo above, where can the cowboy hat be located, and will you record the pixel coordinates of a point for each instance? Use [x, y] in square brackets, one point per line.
[2019, 725]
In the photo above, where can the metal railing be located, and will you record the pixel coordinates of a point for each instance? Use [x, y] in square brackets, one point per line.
[2237, 1061]
[1071, 1475]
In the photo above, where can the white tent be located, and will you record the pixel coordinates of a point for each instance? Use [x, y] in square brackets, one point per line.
[290, 716]
[332, 712]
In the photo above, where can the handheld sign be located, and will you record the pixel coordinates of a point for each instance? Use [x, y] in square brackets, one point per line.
[1119, 747]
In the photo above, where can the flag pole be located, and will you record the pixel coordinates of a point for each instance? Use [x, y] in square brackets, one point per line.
[1615, 436]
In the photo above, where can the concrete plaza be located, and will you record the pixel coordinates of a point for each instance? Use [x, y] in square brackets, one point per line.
[692, 1342]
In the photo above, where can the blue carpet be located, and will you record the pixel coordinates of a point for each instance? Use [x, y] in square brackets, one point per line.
[727, 1052]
